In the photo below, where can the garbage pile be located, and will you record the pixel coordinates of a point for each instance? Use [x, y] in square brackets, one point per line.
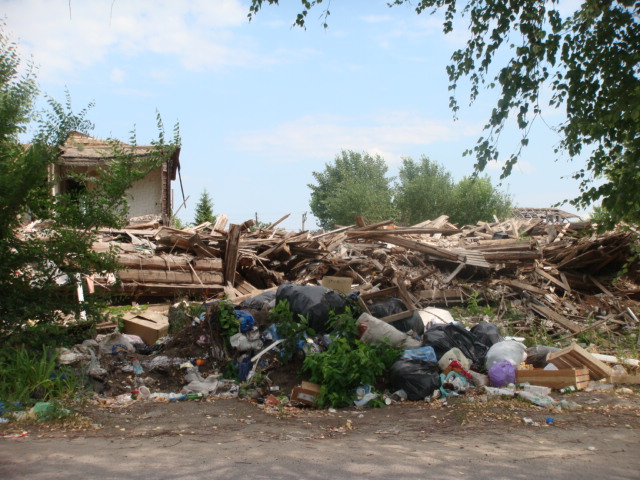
[558, 281]
[225, 349]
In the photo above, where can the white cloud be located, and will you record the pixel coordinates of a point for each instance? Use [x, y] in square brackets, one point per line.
[117, 75]
[391, 134]
[64, 37]
[376, 18]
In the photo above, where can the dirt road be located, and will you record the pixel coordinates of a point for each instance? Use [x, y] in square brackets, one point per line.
[237, 439]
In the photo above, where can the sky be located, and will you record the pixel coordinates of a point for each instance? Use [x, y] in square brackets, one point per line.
[262, 105]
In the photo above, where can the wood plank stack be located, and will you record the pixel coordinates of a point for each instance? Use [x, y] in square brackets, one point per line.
[561, 280]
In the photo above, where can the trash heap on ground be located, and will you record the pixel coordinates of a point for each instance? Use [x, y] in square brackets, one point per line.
[276, 302]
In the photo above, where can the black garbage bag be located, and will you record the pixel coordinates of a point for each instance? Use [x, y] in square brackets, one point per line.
[537, 355]
[486, 333]
[312, 301]
[445, 337]
[394, 305]
[262, 301]
[416, 377]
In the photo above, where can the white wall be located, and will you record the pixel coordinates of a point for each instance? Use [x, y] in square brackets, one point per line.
[145, 196]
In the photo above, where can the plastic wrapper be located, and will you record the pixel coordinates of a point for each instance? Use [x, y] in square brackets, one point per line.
[417, 378]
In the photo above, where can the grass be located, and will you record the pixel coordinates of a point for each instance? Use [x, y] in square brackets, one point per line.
[28, 377]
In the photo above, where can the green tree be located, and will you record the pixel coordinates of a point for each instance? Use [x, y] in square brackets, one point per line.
[204, 209]
[40, 268]
[423, 191]
[426, 190]
[588, 61]
[355, 184]
[475, 199]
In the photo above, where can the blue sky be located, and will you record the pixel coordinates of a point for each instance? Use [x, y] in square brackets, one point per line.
[262, 105]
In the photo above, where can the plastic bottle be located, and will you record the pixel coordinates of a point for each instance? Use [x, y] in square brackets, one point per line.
[137, 368]
[568, 389]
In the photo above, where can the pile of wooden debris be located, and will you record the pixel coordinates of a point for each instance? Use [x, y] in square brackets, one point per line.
[559, 276]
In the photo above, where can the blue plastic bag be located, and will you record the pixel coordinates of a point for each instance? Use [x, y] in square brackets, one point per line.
[246, 320]
[426, 354]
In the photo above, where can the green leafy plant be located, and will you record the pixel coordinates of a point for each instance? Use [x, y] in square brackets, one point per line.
[345, 366]
[344, 325]
[223, 321]
[474, 308]
[294, 330]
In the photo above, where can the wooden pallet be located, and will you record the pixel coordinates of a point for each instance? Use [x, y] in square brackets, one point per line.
[566, 377]
[575, 356]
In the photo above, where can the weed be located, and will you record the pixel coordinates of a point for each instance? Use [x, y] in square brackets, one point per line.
[27, 377]
[473, 308]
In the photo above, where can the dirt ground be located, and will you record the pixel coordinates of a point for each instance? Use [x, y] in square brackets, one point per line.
[465, 437]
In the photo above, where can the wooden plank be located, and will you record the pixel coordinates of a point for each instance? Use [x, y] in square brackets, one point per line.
[277, 222]
[520, 285]
[163, 276]
[600, 286]
[575, 356]
[231, 253]
[552, 279]
[419, 247]
[626, 379]
[405, 231]
[167, 262]
[221, 223]
[169, 290]
[556, 317]
[557, 379]
[453, 274]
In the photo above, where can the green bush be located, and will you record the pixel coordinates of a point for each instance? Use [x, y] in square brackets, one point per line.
[345, 366]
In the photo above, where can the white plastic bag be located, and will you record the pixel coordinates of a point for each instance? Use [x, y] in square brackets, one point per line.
[506, 351]
[375, 330]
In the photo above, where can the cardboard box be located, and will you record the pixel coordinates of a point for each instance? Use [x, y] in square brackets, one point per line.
[339, 284]
[566, 377]
[149, 326]
[307, 393]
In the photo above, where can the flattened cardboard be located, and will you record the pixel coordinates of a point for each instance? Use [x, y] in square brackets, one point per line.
[339, 284]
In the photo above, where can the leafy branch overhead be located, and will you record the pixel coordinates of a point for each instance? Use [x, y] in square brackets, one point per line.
[588, 61]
